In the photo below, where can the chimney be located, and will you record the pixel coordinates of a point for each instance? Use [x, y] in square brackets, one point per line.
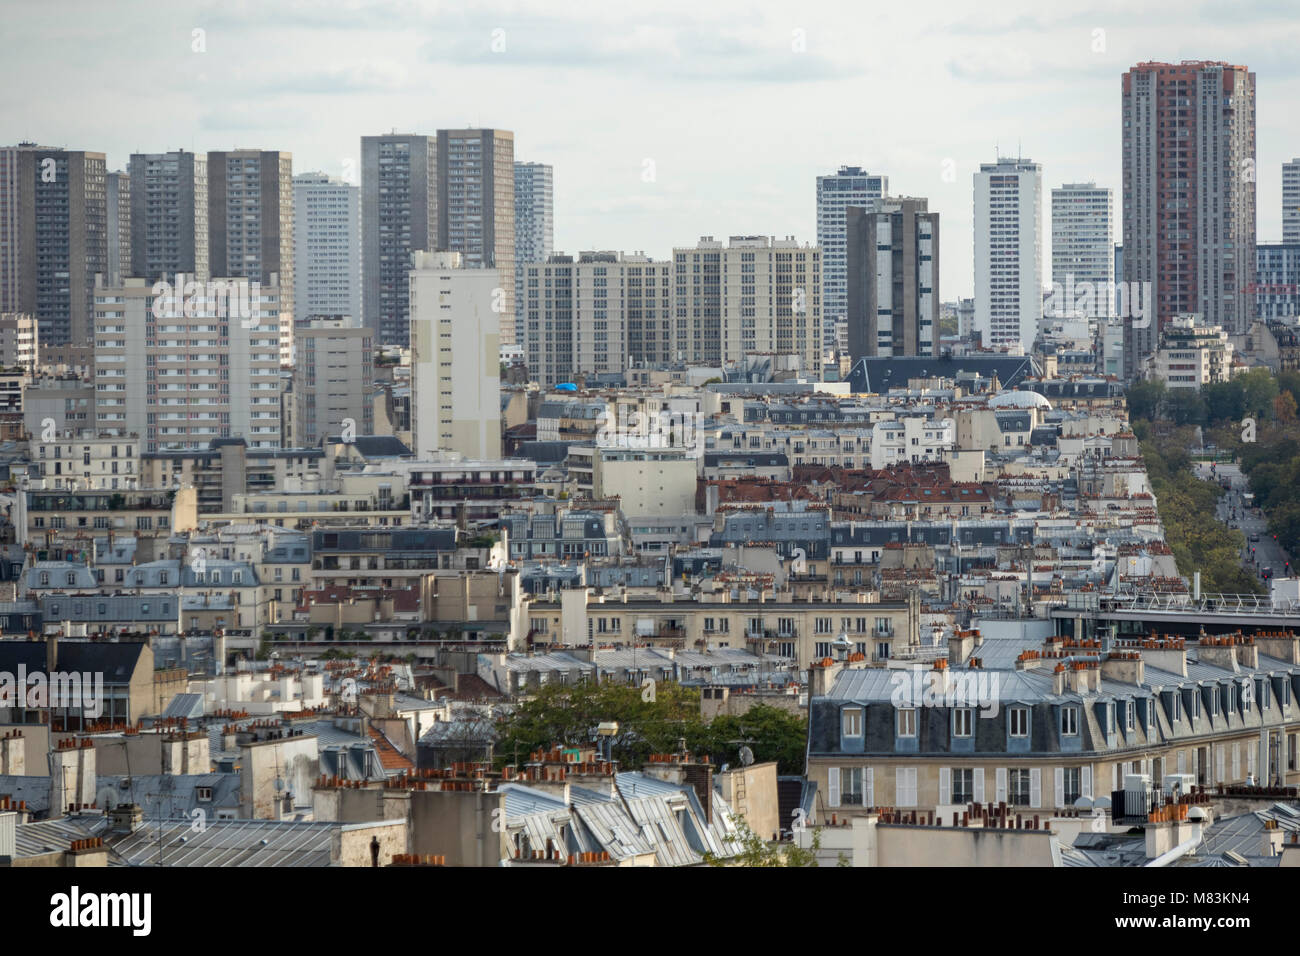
[960, 645]
[820, 679]
[1159, 838]
[125, 818]
[1126, 667]
[1273, 837]
[1284, 645]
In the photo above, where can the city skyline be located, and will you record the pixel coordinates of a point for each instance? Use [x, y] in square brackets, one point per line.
[376, 77]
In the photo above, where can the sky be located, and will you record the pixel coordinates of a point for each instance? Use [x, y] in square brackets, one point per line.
[664, 121]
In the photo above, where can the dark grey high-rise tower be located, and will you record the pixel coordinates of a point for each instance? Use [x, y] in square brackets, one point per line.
[399, 216]
[54, 225]
[117, 202]
[892, 262]
[250, 224]
[476, 206]
[169, 214]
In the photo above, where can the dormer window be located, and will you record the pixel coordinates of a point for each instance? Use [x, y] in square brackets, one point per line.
[1019, 721]
[851, 721]
[1069, 722]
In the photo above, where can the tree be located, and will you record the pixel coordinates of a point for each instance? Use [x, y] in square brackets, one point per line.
[1258, 389]
[1185, 406]
[755, 851]
[1146, 398]
[771, 733]
[651, 720]
[1284, 407]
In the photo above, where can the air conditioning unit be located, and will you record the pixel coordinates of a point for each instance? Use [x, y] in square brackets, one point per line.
[1179, 784]
[1138, 794]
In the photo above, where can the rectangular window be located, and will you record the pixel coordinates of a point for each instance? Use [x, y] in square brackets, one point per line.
[851, 789]
[907, 722]
[962, 722]
[852, 721]
[1069, 722]
[1019, 721]
[1018, 783]
[1072, 783]
[963, 785]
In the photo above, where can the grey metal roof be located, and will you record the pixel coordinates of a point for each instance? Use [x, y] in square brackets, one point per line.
[56, 836]
[185, 705]
[229, 843]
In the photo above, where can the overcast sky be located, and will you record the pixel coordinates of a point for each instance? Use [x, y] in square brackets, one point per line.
[738, 106]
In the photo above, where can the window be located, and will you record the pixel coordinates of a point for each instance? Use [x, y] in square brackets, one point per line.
[1069, 722]
[1019, 721]
[1130, 711]
[851, 789]
[1018, 786]
[203, 793]
[906, 721]
[963, 785]
[1071, 785]
[905, 786]
[852, 721]
[962, 721]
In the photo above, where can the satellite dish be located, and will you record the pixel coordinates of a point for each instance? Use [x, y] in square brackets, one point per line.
[746, 755]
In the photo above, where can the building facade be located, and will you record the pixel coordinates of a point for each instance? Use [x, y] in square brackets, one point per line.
[893, 278]
[596, 313]
[1008, 252]
[332, 381]
[455, 357]
[1189, 196]
[1083, 245]
[399, 215]
[169, 214]
[476, 206]
[54, 226]
[327, 247]
[836, 193]
[182, 377]
[755, 295]
[1291, 201]
[534, 229]
[250, 225]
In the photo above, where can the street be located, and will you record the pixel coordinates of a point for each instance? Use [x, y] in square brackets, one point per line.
[1233, 512]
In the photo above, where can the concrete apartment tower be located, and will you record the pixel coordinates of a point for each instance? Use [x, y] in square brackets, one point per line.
[476, 207]
[595, 313]
[326, 248]
[53, 238]
[169, 380]
[836, 193]
[250, 225]
[1008, 252]
[455, 357]
[1083, 240]
[893, 278]
[534, 229]
[1188, 197]
[332, 380]
[169, 215]
[1291, 201]
[399, 216]
[755, 296]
